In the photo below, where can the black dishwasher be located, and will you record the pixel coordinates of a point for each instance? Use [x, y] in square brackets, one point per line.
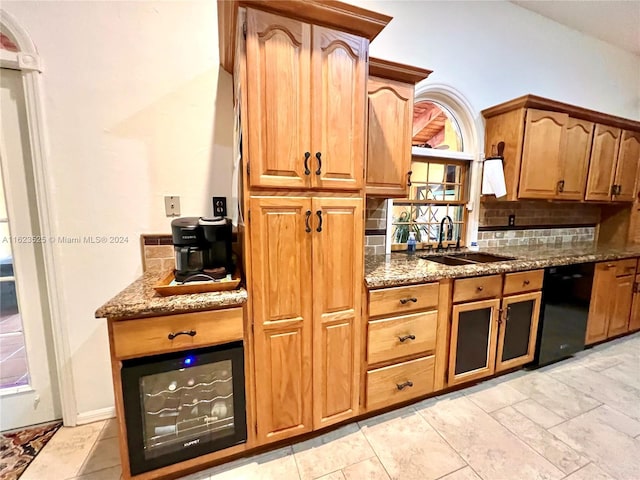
[566, 294]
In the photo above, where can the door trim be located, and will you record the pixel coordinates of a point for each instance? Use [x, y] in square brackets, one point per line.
[29, 63]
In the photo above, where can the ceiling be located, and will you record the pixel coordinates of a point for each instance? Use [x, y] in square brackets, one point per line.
[616, 22]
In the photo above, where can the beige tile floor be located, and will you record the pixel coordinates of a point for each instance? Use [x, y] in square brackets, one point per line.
[576, 420]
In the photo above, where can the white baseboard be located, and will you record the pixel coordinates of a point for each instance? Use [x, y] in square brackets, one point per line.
[96, 415]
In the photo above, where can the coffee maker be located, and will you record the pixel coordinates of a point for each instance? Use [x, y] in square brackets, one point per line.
[202, 248]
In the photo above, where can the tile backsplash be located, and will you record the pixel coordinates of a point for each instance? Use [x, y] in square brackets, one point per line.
[157, 252]
[375, 226]
[536, 236]
[537, 213]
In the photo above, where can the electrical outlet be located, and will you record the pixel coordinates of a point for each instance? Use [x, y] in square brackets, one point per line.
[219, 206]
[512, 220]
[172, 205]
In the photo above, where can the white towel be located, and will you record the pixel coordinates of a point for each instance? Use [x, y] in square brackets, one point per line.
[493, 182]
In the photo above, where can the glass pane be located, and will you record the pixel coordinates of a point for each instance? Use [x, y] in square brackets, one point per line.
[518, 326]
[6, 258]
[184, 404]
[436, 127]
[473, 340]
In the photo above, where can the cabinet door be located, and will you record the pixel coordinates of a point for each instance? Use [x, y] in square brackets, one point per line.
[627, 167]
[574, 164]
[544, 141]
[601, 302]
[339, 70]
[389, 130]
[621, 310]
[278, 98]
[337, 295]
[518, 330]
[602, 167]
[474, 332]
[282, 313]
[634, 322]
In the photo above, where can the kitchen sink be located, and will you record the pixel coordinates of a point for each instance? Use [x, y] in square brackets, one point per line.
[471, 258]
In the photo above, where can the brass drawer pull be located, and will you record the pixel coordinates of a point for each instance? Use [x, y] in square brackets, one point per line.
[526, 282]
[404, 338]
[407, 300]
[405, 384]
[191, 333]
[479, 289]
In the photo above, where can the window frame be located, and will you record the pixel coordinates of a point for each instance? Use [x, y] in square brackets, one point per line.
[471, 126]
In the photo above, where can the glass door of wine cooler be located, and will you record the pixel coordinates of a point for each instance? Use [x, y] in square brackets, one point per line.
[183, 405]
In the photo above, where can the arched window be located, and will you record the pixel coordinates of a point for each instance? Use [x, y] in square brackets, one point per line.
[444, 180]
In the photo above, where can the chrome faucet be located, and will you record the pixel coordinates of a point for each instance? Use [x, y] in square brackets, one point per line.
[449, 231]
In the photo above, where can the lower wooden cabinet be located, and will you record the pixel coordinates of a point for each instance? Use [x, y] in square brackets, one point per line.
[495, 334]
[474, 333]
[400, 382]
[634, 322]
[611, 300]
[400, 350]
[306, 280]
[518, 329]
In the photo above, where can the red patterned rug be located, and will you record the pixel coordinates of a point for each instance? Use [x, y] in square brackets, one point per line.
[18, 448]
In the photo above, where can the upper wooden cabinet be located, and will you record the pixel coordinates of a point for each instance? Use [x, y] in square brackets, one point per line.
[575, 161]
[557, 151]
[306, 104]
[544, 142]
[602, 169]
[627, 167]
[334, 14]
[390, 119]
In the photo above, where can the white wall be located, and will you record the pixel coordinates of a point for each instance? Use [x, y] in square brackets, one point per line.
[493, 51]
[137, 108]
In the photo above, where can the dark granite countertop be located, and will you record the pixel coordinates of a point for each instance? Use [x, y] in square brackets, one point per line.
[402, 269]
[140, 300]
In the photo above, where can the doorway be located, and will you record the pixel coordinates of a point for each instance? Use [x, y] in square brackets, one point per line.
[28, 387]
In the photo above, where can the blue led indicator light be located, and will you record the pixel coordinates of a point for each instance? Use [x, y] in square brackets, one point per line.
[188, 360]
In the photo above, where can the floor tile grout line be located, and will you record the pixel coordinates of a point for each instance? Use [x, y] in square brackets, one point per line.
[295, 461]
[539, 452]
[374, 450]
[445, 441]
[79, 477]
[93, 446]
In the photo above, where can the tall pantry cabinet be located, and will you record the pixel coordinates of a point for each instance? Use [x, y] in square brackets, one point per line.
[302, 91]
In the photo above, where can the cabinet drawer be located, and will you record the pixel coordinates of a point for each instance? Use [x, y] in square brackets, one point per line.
[150, 336]
[400, 382]
[626, 267]
[523, 282]
[398, 337]
[403, 299]
[477, 288]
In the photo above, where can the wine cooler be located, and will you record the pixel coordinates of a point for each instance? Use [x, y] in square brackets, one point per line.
[182, 405]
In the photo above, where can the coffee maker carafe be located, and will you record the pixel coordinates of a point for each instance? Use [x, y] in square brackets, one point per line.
[202, 248]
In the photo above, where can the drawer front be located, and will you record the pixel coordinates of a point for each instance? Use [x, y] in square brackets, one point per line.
[403, 299]
[626, 267]
[150, 336]
[400, 382]
[523, 282]
[398, 337]
[477, 288]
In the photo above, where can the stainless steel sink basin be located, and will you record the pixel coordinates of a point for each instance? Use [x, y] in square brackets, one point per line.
[482, 257]
[447, 260]
[471, 258]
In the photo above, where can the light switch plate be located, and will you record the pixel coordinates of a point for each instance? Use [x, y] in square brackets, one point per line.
[172, 205]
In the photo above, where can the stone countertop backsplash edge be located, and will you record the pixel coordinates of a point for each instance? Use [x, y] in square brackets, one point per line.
[398, 269]
[139, 300]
